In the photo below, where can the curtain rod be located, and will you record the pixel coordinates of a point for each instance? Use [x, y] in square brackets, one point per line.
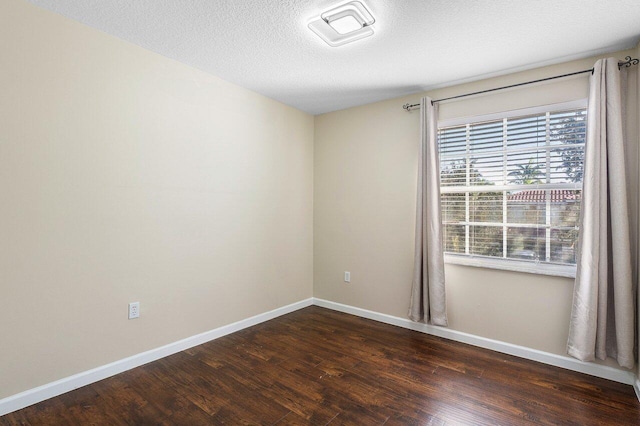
[627, 63]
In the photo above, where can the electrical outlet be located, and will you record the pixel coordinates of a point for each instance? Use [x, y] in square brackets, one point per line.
[347, 276]
[134, 310]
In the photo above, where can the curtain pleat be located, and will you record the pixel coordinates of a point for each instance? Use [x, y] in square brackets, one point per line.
[603, 310]
[428, 299]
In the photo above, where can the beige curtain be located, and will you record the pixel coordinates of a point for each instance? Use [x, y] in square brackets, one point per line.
[602, 315]
[428, 302]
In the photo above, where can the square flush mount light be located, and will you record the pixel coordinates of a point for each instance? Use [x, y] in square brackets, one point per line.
[343, 24]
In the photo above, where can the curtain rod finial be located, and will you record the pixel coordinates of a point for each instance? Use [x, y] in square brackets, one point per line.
[407, 107]
[628, 61]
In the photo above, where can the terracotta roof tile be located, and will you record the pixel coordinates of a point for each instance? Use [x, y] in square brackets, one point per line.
[538, 196]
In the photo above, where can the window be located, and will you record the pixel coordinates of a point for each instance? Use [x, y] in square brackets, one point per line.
[511, 188]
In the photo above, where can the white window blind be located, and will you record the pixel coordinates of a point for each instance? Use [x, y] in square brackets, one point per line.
[511, 186]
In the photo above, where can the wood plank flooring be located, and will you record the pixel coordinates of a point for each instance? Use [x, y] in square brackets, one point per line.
[319, 367]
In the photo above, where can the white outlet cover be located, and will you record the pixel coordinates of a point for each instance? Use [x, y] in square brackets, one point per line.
[134, 310]
[347, 276]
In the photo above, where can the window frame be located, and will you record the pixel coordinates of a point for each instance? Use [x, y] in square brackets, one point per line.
[537, 267]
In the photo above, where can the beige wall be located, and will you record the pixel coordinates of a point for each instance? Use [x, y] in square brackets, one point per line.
[125, 176]
[364, 201]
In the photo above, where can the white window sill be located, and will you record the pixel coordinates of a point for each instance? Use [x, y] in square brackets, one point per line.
[512, 265]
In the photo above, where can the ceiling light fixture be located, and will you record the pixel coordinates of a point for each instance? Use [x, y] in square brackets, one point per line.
[343, 24]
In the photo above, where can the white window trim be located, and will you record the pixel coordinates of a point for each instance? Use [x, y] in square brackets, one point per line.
[539, 268]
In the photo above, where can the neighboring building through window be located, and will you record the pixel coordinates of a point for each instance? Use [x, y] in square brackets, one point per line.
[511, 185]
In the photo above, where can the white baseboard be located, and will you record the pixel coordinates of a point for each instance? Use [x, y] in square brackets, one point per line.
[49, 390]
[603, 371]
[636, 387]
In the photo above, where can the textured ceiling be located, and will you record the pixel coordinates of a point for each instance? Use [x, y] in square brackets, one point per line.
[265, 45]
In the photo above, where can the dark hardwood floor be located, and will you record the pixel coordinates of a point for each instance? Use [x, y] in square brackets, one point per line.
[319, 367]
